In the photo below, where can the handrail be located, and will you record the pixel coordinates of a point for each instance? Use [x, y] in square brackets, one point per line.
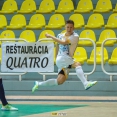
[102, 58]
[13, 74]
[86, 74]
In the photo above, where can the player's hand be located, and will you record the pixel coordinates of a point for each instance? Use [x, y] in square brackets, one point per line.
[48, 35]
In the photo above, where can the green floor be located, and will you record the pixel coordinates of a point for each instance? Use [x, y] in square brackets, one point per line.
[30, 109]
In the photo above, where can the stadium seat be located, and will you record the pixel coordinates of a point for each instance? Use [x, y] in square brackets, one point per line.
[28, 6]
[113, 59]
[98, 56]
[28, 35]
[37, 21]
[9, 6]
[87, 34]
[84, 6]
[108, 33]
[56, 21]
[78, 20]
[103, 6]
[80, 55]
[3, 21]
[115, 10]
[42, 35]
[46, 6]
[112, 21]
[6, 34]
[18, 21]
[95, 21]
[65, 6]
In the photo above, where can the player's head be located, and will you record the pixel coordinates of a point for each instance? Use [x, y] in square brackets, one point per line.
[69, 27]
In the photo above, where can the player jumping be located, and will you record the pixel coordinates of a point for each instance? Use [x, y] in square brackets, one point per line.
[67, 43]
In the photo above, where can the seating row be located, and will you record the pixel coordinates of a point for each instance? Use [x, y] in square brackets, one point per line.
[57, 21]
[30, 36]
[81, 56]
[64, 6]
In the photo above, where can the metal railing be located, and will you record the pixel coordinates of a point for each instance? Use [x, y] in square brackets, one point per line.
[44, 74]
[86, 74]
[102, 58]
[13, 74]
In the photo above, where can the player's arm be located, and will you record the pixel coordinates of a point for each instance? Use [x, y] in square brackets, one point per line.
[57, 48]
[63, 42]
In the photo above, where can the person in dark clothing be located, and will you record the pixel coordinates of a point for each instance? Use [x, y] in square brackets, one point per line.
[5, 104]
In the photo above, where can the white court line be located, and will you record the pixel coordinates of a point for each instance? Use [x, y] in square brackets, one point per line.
[64, 97]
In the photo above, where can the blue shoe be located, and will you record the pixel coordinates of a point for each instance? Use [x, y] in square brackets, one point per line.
[35, 87]
[90, 84]
[8, 107]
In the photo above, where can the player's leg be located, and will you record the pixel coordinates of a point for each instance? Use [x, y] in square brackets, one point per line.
[51, 82]
[80, 74]
[62, 75]
[5, 105]
[2, 94]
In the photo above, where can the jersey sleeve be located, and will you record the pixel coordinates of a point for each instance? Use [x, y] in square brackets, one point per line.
[59, 36]
[74, 39]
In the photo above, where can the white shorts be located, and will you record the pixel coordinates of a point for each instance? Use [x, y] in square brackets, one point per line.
[63, 62]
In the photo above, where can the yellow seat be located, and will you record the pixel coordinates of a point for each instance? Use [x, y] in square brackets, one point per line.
[56, 21]
[80, 55]
[115, 10]
[108, 33]
[103, 6]
[3, 21]
[87, 34]
[28, 6]
[84, 6]
[42, 35]
[9, 6]
[46, 6]
[6, 34]
[18, 21]
[112, 21]
[98, 56]
[65, 6]
[113, 59]
[78, 20]
[95, 21]
[37, 21]
[28, 35]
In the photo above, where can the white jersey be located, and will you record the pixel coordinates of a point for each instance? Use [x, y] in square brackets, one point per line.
[68, 49]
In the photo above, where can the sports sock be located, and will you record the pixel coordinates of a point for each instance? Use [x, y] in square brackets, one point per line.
[50, 82]
[2, 94]
[80, 75]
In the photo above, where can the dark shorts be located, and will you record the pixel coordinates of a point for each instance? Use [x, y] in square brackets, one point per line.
[62, 72]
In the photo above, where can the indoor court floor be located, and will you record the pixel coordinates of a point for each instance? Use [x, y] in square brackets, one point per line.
[62, 109]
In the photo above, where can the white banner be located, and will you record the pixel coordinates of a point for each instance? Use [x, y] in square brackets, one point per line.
[27, 57]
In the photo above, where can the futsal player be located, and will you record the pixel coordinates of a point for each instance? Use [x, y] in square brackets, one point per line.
[5, 105]
[67, 43]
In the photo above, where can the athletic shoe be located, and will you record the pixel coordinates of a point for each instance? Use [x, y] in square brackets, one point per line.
[8, 107]
[35, 87]
[90, 84]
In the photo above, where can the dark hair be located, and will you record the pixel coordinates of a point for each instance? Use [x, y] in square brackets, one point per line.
[70, 22]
